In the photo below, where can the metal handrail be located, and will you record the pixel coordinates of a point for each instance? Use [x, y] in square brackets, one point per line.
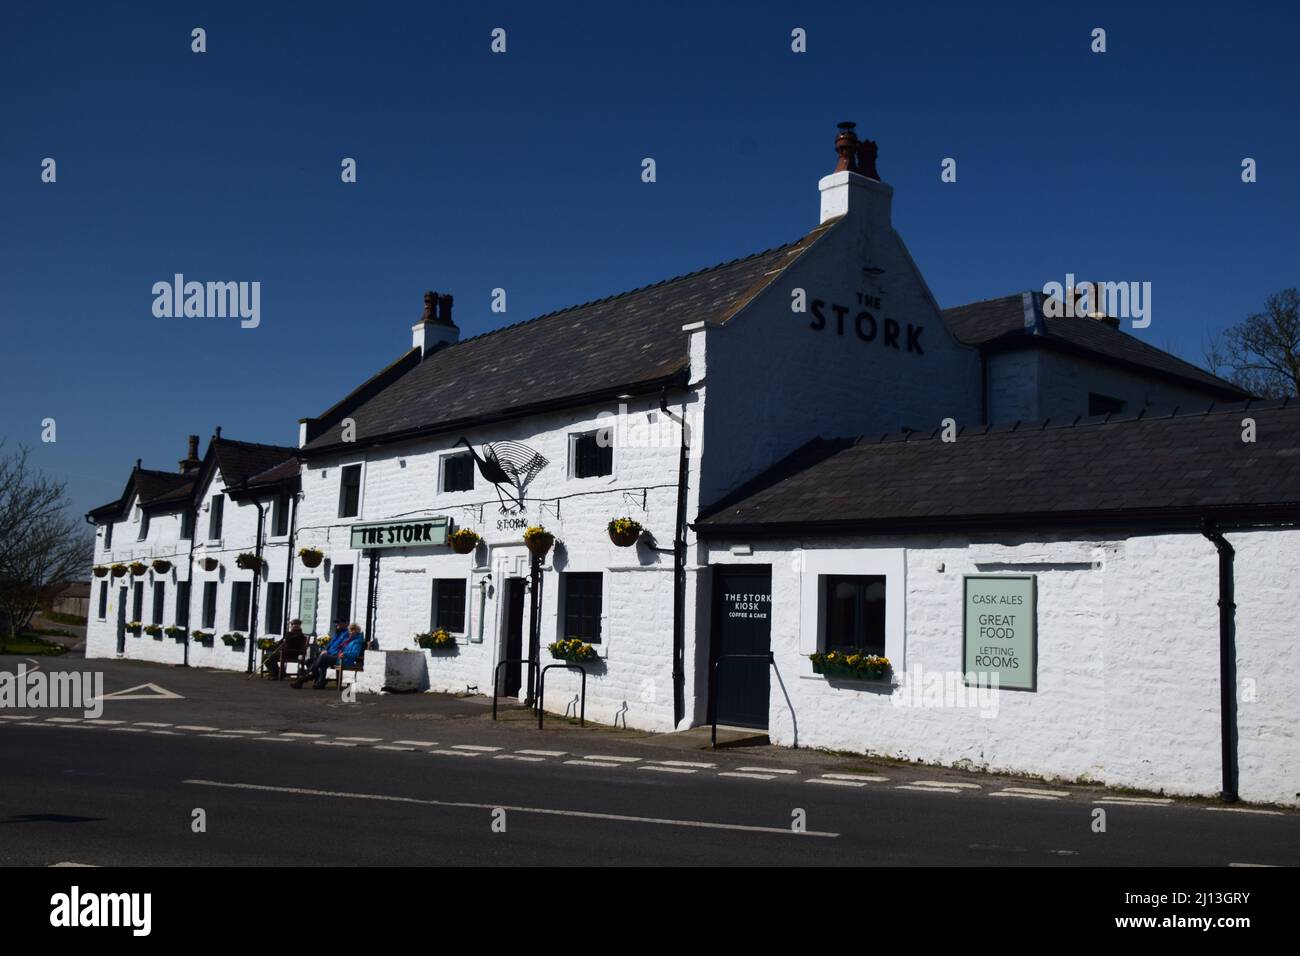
[541, 692]
[713, 702]
[496, 677]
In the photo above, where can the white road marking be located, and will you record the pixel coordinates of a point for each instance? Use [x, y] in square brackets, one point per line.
[1271, 866]
[199, 727]
[71, 863]
[1136, 801]
[522, 757]
[417, 743]
[18, 717]
[152, 723]
[106, 723]
[1035, 791]
[544, 811]
[1261, 812]
[928, 789]
[293, 733]
[170, 733]
[836, 783]
[854, 776]
[76, 720]
[361, 740]
[243, 731]
[282, 740]
[748, 776]
[946, 784]
[685, 763]
[132, 730]
[476, 748]
[612, 759]
[155, 693]
[223, 736]
[332, 743]
[765, 770]
[543, 753]
[591, 763]
[661, 769]
[394, 747]
[453, 753]
[1022, 796]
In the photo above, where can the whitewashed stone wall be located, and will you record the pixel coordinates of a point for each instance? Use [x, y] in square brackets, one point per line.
[1128, 683]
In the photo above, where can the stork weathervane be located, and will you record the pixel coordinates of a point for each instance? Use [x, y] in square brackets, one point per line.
[507, 463]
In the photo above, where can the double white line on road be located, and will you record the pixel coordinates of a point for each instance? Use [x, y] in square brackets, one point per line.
[543, 811]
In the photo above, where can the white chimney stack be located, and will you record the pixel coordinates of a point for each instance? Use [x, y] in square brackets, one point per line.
[855, 189]
[435, 328]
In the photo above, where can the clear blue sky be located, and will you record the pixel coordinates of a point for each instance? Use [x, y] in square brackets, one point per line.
[523, 171]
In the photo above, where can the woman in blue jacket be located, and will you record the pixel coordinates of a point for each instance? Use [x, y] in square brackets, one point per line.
[345, 647]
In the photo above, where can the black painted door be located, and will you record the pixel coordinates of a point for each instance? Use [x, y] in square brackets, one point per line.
[742, 625]
[514, 634]
[121, 620]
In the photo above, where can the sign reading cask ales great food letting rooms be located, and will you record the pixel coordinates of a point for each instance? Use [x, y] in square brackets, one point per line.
[1000, 630]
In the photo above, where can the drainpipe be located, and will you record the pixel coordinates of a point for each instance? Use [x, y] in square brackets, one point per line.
[288, 570]
[1227, 660]
[679, 567]
[257, 585]
[189, 576]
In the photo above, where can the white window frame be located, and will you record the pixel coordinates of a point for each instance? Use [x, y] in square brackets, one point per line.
[573, 457]
[361, 492]
[817, 562]
[442, 467]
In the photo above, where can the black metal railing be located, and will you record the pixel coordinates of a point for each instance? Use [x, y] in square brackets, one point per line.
[541, 692]
[496, 678]
[717, 684]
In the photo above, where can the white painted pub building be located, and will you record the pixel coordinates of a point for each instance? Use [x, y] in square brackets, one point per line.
[1060, 537]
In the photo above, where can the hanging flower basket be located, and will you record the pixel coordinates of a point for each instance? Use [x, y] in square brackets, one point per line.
[153, 630]
[175, 633]
[249, 561]
[234, 639]
[439, 640]
[210, 564]
[101, 570]
[464, 540]
[574, 650]
[118, 570]
[855, 664]
[134, 627]
[538, 541]
[203, 637]
[311, 557]
[162, 566]
[624, 532]
[137, 568]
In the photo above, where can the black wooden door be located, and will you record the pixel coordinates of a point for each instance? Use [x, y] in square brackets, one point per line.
[121, 620]
[742, 625]
[514, 634]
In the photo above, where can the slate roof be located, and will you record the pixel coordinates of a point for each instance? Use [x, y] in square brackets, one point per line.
[584, 352]
[153, 487]
[287, 471]
[240, 461]
[1169, 468]
[997, 324]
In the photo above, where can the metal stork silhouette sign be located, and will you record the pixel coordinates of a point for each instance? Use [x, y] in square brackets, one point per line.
[508, 465]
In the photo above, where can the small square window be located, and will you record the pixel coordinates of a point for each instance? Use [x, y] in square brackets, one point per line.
[582, 602]
[449, 604]
[592, 454]
[458, 472]
[854, 609]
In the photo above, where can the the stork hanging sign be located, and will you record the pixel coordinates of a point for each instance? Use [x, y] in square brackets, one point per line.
[507, 464]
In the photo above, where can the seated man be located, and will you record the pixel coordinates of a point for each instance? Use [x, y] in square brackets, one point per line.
[346, 648]
[292, 648]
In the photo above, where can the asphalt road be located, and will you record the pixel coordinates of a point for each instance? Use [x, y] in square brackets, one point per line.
[285, 777]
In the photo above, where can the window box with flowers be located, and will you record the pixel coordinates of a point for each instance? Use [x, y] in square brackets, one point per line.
[852, 664]
[175, 633]
[203, 637]
[137, 568]
[624, 531]
[574, 650]
[154, 631]
[464, 540]
[248, 561]
[437, 640]
[233, 639]
[311, 557]
[135, 627]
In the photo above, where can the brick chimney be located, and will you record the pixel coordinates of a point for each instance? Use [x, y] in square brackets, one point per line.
[854, 189]
[191, 460]
[435, 328]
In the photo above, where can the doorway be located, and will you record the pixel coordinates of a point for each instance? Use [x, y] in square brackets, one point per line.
[121, 620]
[514, 636]
[741, 645]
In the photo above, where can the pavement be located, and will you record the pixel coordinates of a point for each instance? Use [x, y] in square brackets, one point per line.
[293, 777]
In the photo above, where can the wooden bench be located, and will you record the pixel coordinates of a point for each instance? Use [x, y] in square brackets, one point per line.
[355, 668]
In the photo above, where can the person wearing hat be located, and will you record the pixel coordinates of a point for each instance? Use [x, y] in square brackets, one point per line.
[292, 648]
